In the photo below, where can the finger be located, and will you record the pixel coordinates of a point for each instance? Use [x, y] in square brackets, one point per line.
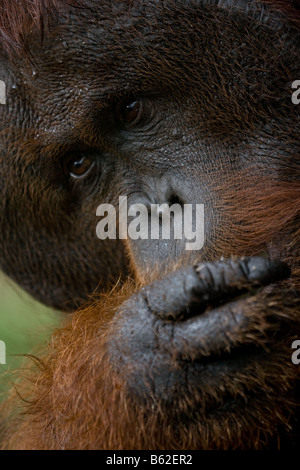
[215, 331]
[209, 284]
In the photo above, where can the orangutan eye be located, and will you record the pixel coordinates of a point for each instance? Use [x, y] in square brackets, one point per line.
[78, 165]
[129, 112]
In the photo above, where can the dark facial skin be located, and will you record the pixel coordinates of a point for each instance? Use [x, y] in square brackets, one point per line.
[64, 107]
[166, 102]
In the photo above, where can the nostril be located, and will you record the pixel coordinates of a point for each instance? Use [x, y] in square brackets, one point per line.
[174, 199]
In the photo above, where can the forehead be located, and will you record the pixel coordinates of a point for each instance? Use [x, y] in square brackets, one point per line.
[123, 37]
[94, 55]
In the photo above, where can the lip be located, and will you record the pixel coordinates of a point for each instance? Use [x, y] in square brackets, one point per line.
[209, 371]
[194, 328]
[213, 343]
[218, 359]
[219, 330]
[211, 332]
[198, 366]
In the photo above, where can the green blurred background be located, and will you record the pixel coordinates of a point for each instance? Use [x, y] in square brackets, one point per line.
[24, 324]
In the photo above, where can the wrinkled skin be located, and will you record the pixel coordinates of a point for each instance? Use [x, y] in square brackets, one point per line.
[202, 351]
